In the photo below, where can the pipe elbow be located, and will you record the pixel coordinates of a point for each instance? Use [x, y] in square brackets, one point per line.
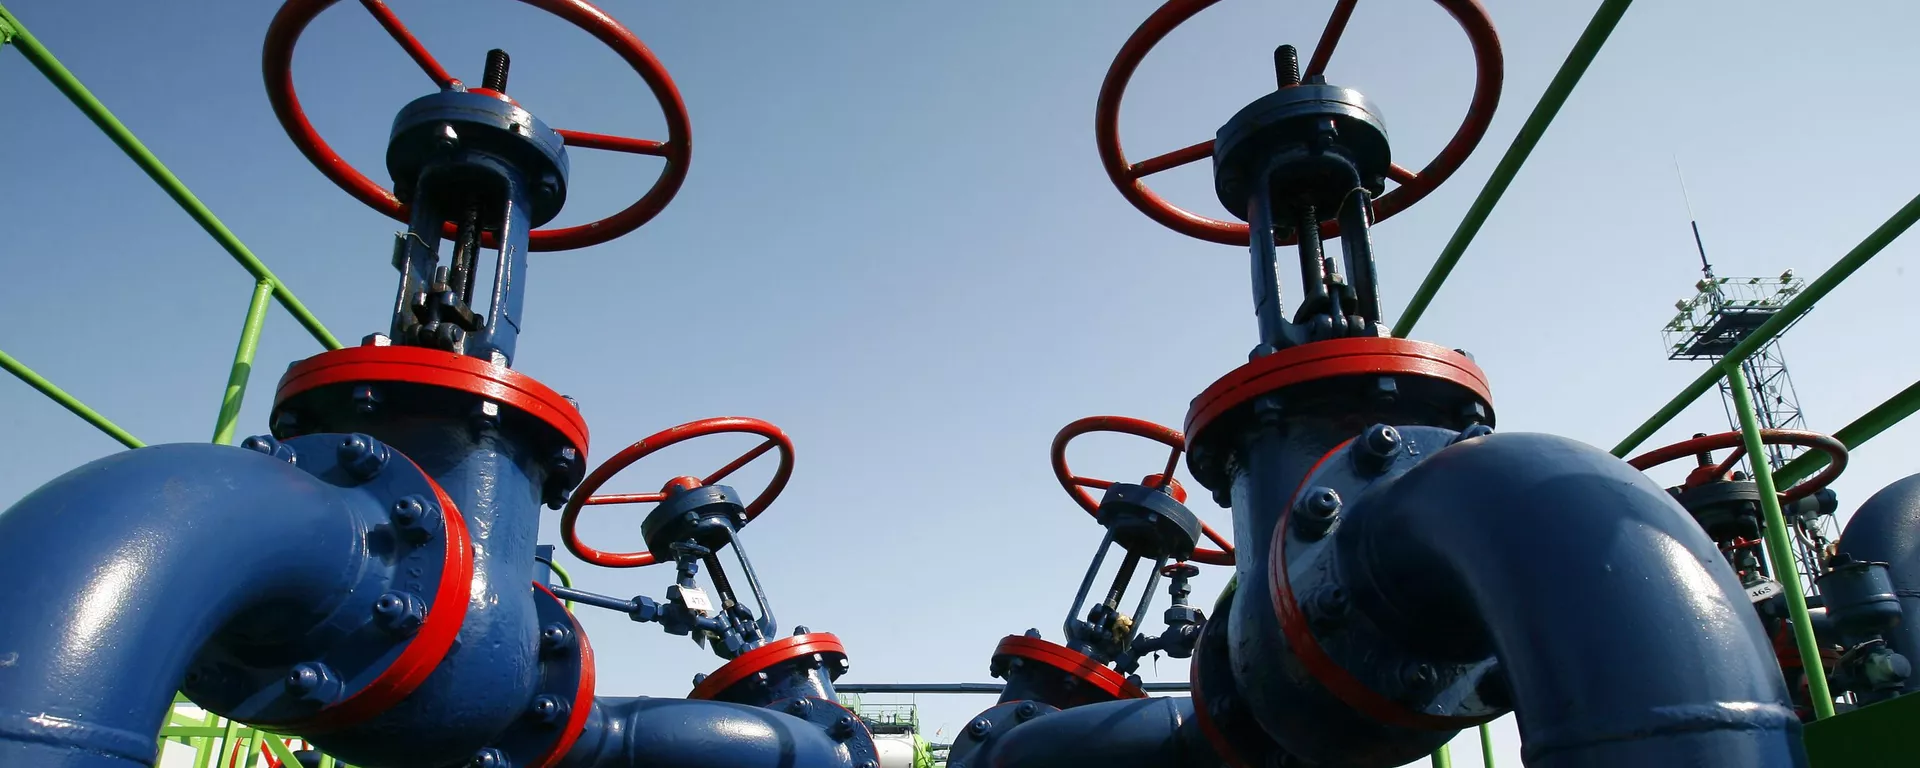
[1618, 631]
[1158, 732]
[692, 733]
[129, 565]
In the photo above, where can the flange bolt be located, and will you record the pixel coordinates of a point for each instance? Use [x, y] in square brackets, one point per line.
[1316, 511]
[313, 682]
[414, 518]
[547, 709]
[399, 613]
[1377, 447]
[362, 456]
[842, 728]
[556, 638]
[980, 728]
[490, 758]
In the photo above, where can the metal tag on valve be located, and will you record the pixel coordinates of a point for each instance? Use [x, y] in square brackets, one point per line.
[1763, 590]
[696, 600]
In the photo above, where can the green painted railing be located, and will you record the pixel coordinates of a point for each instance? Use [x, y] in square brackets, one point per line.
[221, 743]
[266, 284]
[215, 741]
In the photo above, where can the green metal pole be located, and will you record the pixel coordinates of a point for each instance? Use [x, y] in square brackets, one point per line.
[1575, 65]
[1789, 312]
[1486, 746]
[49, 66]
[242, 363]
[68, 402]
[1442, 758]
[227, 743]
[1778, 548]
[1868, 426]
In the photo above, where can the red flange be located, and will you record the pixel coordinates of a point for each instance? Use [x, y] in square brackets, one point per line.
[277, 66]
[583, 495]
[430, 643]
[582, 698]
[1835, 450]
[1413, 186]
[1077, 486]
[765, 657]
[1070, 661]
[1328, 359]
[437, 368]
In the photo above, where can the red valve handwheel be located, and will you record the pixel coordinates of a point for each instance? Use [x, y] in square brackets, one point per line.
[1128, 177]
[583, 496]
[1835, 450]
[277, 65]
[1077, 486]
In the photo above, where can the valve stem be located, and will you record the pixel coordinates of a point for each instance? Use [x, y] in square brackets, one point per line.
[495, 78]
[1286, 66]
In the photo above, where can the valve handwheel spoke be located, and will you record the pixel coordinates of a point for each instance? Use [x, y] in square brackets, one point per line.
[277, 66]
[583, 496]
[1130, 177]
[1077, 485]
[1835, 450]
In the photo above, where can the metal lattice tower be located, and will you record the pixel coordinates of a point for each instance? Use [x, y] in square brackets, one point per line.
[1722, 313]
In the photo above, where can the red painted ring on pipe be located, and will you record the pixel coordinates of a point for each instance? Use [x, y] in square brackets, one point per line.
[1076, 486]
[582, 698]
[583, 495]
[277, 67]
[1327, 359]
[765, 657]
[1070, 661]
[1318, 663]
[437, 368]
[1489, 72]
[435, 637]
[1835, 450]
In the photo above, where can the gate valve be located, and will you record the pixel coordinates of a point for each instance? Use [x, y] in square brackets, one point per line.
[472, 165]
[1727, 503]
[694, 518]
[1302, 163]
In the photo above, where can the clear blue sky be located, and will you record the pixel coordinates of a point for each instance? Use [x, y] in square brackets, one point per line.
[896, 242]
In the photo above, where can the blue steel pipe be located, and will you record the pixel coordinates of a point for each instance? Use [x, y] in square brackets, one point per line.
[1623, 636]
[637, 732]
[1144, 733]
[1886, 529]
[119, 571]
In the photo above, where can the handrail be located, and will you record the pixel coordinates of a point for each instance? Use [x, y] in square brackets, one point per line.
[12, 32]
[55, 72]
[67, 401]
[1558, 89]
[1789, 314]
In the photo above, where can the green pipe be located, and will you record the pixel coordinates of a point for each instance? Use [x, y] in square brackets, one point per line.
[49, 66]
[1486, 746]
[1442, 758]
[68, 402]
[1558, 89]
[565, 580]
[242, 363]
[1788, 314]
[1868, 426]
[1778, 548]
